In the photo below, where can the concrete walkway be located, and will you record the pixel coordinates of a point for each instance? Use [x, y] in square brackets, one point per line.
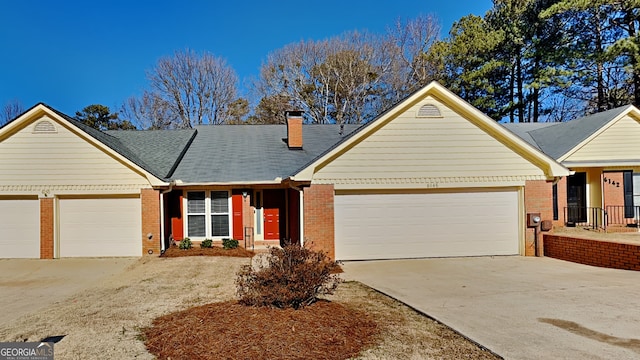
[519, 307]
[28, 285]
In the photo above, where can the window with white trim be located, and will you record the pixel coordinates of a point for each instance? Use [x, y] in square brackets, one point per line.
[208, 214]
[219, 213]
[196, 214]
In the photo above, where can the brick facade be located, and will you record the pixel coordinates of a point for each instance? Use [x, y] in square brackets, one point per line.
[319, 231]
[593, 252]
[150, 199]
[46, 228]
[538, 198]
[562, 202]
[613, 189]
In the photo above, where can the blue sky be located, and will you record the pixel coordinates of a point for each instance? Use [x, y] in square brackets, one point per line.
[70, 54]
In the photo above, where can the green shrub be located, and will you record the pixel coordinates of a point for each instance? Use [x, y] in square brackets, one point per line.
[290, 277]
[185, 244]
[229, 244]
[206, 243]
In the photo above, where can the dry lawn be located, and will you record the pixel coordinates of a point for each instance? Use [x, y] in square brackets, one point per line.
[107, 321]
[632, 237]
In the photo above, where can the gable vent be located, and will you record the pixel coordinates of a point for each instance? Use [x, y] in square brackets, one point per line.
[429, 110]
[44, 126]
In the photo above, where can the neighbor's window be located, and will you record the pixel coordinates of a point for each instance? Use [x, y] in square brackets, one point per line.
[212, 205]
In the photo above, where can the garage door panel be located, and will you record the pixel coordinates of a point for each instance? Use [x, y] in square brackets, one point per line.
[100, 227]
[388, 226]
[20, 224]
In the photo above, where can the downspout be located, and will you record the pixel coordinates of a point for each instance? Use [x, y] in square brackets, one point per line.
[162, 224]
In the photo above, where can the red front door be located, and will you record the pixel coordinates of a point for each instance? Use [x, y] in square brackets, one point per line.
[273, 207]
[272, 224]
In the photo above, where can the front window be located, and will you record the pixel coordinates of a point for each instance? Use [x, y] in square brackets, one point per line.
[208, 214]
[219, 213]
[196, 213]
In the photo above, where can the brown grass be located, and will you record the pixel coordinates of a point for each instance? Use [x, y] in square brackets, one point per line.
[228, 330]
[105, 321]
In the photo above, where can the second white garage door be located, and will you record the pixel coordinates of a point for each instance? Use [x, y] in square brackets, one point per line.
[19, 228]
[397, 226]
[99, 227]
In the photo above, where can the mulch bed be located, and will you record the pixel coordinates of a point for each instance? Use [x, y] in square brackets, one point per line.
[214, 251]
[228, 330]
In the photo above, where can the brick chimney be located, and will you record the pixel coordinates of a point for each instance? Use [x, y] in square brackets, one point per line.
[294, 129]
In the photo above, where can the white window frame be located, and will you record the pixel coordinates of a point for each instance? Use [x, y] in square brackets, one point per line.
[208, 215]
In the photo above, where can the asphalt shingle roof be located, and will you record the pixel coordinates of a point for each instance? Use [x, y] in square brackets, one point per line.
[160, 150]
[252, 153]
[556, 139]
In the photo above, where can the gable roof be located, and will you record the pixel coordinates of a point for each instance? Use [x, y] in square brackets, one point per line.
[559, 139]
[102, 139]
[251, 153]
[525, 149]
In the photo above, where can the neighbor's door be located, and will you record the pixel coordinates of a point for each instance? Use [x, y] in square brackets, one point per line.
[576, 198]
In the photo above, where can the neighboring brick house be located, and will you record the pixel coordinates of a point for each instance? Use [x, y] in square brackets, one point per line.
[430, 177]
[603, 153]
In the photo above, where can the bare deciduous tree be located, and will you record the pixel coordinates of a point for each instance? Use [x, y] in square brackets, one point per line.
[336, 80]
[346, 79]
[412, 39]
[186, 89]
[149, 111]
[11, 110]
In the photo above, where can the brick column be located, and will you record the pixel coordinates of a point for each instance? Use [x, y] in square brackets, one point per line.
[150, 199]
[538, 198]
[319, 232]
[46, 228]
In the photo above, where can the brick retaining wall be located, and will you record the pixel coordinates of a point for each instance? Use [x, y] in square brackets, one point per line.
[593, 252]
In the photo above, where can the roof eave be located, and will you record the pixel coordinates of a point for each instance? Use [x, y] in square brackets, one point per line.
[276, 181]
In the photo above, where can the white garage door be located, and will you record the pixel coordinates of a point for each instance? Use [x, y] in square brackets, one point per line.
[396, 226]
[19, 228]
[100, 227]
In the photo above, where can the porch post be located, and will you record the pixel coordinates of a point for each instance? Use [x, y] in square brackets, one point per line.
[594, 191]
[301, 217]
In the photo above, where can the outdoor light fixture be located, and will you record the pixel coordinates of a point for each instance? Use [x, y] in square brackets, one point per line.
[245, 193]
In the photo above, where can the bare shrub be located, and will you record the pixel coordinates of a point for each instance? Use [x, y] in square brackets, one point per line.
[290, 277]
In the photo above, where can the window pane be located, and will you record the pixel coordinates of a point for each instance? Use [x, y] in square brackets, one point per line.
[219, 202]
[195, 202]
[196, 225]
[220, 225]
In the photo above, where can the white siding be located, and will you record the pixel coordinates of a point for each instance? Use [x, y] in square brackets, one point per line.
[395, 226]
[100, 227]
[618, 142]
[19, 228]
[59, 158]
[411, 147]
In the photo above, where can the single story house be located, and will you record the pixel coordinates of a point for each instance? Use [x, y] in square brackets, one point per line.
[430, 177]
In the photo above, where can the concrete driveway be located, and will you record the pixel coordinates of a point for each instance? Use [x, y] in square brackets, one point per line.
[28, 285]
[519, 307]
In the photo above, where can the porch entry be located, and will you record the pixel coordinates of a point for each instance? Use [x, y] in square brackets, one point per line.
[576, 198]
[270, 208]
